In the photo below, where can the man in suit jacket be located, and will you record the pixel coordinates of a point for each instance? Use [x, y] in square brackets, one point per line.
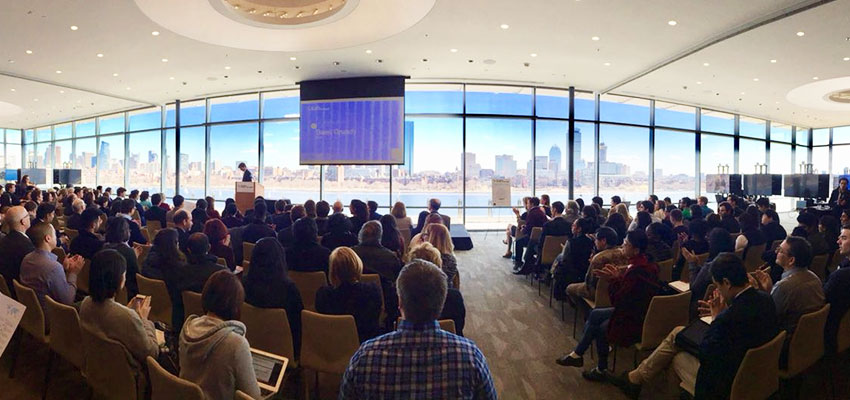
[743, 318]
[281, 218]
[836, 291]
[433, 207]
[182, 222]
[156, 213]
[558, 226]
[246, 173]
[87, 241]
[127, 207]
[16, 245]
[571, 265]
[258, 228]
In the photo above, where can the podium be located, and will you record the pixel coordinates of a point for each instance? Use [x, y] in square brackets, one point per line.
[246, 192]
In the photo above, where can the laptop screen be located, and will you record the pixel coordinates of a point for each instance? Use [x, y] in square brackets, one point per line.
[269, 369]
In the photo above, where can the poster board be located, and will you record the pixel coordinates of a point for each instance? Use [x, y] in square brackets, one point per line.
[501, 192]
[11, 313]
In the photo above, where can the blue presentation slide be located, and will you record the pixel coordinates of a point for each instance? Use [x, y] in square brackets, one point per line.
[353, 131]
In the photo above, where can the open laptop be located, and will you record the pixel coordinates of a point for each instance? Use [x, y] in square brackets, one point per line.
[269, 369]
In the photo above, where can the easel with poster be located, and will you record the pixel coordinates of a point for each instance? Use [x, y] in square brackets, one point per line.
[500, 197]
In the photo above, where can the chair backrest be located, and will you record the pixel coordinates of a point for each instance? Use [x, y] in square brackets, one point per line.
[109, 369]
[677, 250]
[308, 283]
[160, 301]
[83, 277]
[535, 233]
[752, 260]
[147, 234]
[4, 289]
[267, 329]
[247, 249]
[65, 335]
[758, 374]
[170, 224]
[665, 270]
[551, 249]
[327, 341]
[834, 260]
[165, 386]
[806, 346]
[32, 321]
[192, 303]
[664, 314]
[60, 254]
[448, 325]
[818, 265]
[153, 226]
[240, 395]
[221, 261]
[405, 236]
[844, 333]
[72, 233]
[602, 298]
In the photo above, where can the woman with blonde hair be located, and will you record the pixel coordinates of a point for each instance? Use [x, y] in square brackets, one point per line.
[421, 237]
[440, 238]
[349, 296]
[624, 211]
[453, 308]
[399, 211]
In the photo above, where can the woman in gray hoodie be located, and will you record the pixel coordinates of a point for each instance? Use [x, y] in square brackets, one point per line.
[213, 350]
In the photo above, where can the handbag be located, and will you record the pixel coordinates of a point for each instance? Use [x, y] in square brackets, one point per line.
[689, 339]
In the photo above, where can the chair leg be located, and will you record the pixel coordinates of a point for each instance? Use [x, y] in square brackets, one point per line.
[19, 339]
[614, 363]
[47, 373]
[575, 318]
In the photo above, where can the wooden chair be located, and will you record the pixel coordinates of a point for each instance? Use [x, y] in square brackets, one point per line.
[552, 246]
[146, 249]
[247, 250]
[72, 233]
[165, 386]
[664, 314]
[308, 283]
[806, 346]
[170, 224]
[240, 395]
[65, 334]
[146, 234]
[221, 261]
[818, 266]
[665, 270]
[109, 369]
[83, 277]
[327, 344]
[601, 300]
[375, 279]
[160, 300]
[60, 254]
[32, 322]
[192, 303]
[676, 249]
[752, 257]
[268, 329]
[686, 272]
[153, 226]
[834, 260]
[448, 325]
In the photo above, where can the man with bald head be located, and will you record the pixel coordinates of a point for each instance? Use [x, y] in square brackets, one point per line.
[42, 271]
[16, 245]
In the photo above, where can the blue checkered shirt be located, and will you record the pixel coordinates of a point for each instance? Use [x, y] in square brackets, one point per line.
[418, 362]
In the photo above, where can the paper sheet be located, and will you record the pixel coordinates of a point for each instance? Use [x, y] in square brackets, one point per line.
[501, 192]
[11, 313]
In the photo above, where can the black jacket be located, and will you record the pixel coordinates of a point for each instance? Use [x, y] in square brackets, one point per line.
[331, 241]
[247, 176]
[132, 266]
[281, 221]
[556, 227]
[136, 234]
[13, 248]
[379, 259]
[361, 300]
[286, 237]
[75, 222]
[182, 238]
[86, 244]
[836, 292]
[307, 257]
[730, 224]
[194, 274]
[256, 231]
[278, 293]
[749, 322]
[454, 309]
[156, 213]
[773, 231]
[420, 223]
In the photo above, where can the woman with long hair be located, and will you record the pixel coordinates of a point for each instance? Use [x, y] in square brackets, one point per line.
[231, 217]
[616, 222]
[267, 285]
[166, 262]
[219, 237]
[421, 237]
[359, 215]
[117, 236]
[212, 213]
[391, 237]
[399, 211]
[624, 211]
[441, 239]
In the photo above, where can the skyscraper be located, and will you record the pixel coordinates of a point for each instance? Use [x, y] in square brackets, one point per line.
[577, 149]
[505, 166]
[555, 158]
[603, 152]
[103, 156]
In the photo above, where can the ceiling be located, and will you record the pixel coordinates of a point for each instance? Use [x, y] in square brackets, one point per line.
[633, 38]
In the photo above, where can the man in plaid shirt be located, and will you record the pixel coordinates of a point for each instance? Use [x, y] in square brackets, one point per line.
[419, 360]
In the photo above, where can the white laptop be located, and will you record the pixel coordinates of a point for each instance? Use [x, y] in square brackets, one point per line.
[269, 369]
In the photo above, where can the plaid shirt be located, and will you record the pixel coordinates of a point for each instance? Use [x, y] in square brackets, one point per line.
[418, 362]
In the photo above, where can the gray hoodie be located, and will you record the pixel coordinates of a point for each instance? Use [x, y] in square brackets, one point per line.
[215, 355]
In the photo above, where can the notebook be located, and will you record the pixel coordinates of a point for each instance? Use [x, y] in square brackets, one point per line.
[680, 286]
[269, 369]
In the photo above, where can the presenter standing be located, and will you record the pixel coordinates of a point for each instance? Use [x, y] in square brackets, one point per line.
[839, 199]
[246, 173]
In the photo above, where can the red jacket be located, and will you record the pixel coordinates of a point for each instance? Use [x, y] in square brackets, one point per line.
[630, 295]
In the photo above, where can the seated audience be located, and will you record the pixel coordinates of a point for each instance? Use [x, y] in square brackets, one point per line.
[286, 236]
[453, 308]
[117, 238]
[15, 245]
[434, 205]
[166, 262]
[178, 206]
[306, 254]
[373, 210]
[510, 231]
[742, 318]
[337, 207]
[630, 292]
[770, 227]
[807, 228]
[199, 216]
[127, 206]
[727, 218]
[200, 265]
[618, 224]
[607, 252]
[322, 211]
[536, 218]
[267, 285]
[156, 213]
[258, 228]
[348, 296]
[182, 224]
[440, 238]
[145, 200]
[719, 241]
[310, 209]
[376, 258]
[557, 226]
[219, 238]
[391, 237]
[99, 312]
[212, 213]
[88, 241]
[359, 214]
[414, 358]
[41, 272]
[572, 264]
[213, 350]
[836, 292]
[339, 233]
[829, 227]
[230, 217]
[422, 237]
[75, 219]
[399, 211]
[281, 218]
[658, 249]
[750, 234]
[702, 202]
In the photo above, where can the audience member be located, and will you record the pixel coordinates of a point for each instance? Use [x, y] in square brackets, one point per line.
[127, 206]
[434, 205]
[281, 217]
[376, 258]
[88, 241]
[306, 254]
[267, 285]
[199, 216]
[212, 213]
[440, 238]
[391, 237]
[322, 211]
[719, 242]
[617, 222]
[219, 239]
[536, 218]
[145, 200]
[836, 292]
[117, 238]
[453, 308]
[413, 360]
[167, 263]
[257, 228]
[557, 226]
[373, 210]
[230, 217]
[807, 228]
[337, 207]
[421, 237]
[359, 214]
[286, 236]
[829, 227]
[770, 227]
[156, 213]
[658, 248]
[347, 295]
[571, 212]
[399, 211]
[339, 233]
[702, 202]
[572, 264]
[15, 245]
[213, 350]
[727, 218]
[182, 224]
[41, 271]
[178, 205]
[607, 252]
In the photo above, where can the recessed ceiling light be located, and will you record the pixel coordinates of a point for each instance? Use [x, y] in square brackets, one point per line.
[99, 55]
[846, 58]
[453, 50]
[227, 67]
[13, 89]
[58, 71]
[29, 51]
[128, 88]
[705, 64]
[504, 26]
[292, 58]
[155, 33]
[699, 83]
[594, 38]
[815, 78]
[74, 27]
[743, 92]
[607, 64]
[171, 78]
[368, 51]
[801, 33]
[533, 54]
[773, 61]
[672, 22]
[34, 99]
[115, 74]
[164, 60]
[755, 79]
[62, 91]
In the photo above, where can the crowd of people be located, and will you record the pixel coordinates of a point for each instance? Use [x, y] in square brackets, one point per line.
[200, 250]
[746, 308]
